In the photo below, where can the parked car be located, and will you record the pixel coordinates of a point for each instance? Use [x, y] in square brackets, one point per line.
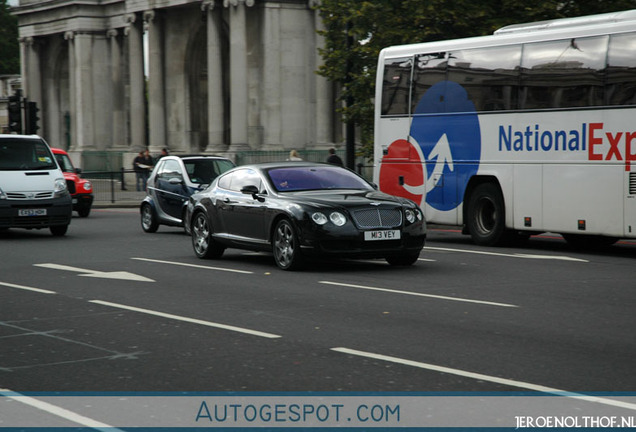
[81, 189]
[172, 181]
[298, 209]
[33, 192]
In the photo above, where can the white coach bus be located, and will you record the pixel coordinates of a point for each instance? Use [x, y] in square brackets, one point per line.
[529, 130]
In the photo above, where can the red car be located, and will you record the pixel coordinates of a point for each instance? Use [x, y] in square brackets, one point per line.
[81, 189]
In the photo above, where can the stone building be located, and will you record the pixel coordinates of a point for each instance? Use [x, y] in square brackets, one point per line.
[204, 76]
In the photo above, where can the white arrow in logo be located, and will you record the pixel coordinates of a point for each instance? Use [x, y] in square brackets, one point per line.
[419, 189]
[122, 275]
[442, 152]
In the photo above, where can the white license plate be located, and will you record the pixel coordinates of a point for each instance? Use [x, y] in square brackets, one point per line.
[32, 212]
[382, 235]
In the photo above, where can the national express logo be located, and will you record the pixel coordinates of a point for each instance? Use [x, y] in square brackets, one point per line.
[437, 141]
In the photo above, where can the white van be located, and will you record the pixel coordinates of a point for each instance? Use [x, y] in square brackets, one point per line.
[33, 191]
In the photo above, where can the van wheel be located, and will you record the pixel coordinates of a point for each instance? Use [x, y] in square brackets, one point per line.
[59, 230]
[486, 217]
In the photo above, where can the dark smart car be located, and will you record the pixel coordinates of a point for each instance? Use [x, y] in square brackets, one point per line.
[171, 183]
[298, 209]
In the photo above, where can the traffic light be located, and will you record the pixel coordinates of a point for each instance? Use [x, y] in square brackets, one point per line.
[32, 118]
[15, 114]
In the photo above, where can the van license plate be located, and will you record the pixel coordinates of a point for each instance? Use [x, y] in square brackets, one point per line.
[32, 212]
[382, 235]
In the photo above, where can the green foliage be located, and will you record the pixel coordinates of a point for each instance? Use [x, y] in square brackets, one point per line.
[9, 47]
[376, 24]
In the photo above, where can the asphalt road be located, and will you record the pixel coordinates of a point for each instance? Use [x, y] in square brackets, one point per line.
[111, 308]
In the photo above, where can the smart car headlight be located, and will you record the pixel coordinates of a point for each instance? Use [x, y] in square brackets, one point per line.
[337, 218]
[2, 195]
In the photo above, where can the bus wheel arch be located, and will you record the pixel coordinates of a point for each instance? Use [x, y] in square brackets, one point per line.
[485, 211]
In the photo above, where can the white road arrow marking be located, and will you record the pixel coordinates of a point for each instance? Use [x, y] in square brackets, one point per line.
[121, 275]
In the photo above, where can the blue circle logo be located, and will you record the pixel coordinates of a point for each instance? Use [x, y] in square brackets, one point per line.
[450, 138]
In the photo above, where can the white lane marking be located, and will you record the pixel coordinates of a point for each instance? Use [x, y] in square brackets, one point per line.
[22, 287]
[482, 377]
[193, 265]
[527, 256]
[121, 275]
[427, 260]
[186, 319]
[459, 299]
[55, 410]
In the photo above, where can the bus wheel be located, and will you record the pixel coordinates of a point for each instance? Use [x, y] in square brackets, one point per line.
[486, 217]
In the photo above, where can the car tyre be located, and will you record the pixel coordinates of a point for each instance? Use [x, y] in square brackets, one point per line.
[286, 246]
[59, 230]
[202, 242]
[84, 211]
[406, 259]
[149, 221]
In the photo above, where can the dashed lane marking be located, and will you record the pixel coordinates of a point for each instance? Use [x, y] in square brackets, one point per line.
[186, 319]
[392, 291]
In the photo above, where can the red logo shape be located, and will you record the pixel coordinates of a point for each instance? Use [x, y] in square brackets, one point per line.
[403, 160]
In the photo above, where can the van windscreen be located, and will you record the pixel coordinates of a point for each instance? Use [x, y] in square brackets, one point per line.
[25, 154]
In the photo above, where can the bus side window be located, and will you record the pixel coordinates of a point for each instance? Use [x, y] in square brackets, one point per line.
[429, 69]
[563, 74]
[489, 75]
[395, 86]
[621, 70]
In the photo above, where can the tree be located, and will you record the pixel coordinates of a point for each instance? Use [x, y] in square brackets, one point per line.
[375, 24]
[9, 47]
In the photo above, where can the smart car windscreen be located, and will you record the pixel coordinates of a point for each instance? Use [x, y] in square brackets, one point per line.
[203, 171]
[291, 179]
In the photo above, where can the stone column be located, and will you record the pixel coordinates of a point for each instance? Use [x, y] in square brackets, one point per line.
[84, 124]
[238, 74]
[156, 93]
[272, 108]
[324, 89]
[31, 75]
[137, 82]
[118, 123]
[70, 38]
[215, 80]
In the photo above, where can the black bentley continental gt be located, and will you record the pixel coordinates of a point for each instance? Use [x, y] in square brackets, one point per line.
[300, 209]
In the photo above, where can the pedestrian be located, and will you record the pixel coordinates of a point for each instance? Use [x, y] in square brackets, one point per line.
[164, 152]
[333, 158]
[142, 165]
[293, 156]
[138, 170]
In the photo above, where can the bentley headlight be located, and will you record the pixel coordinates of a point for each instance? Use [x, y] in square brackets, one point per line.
[319, 218]
[410, 215]
[337, 218]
